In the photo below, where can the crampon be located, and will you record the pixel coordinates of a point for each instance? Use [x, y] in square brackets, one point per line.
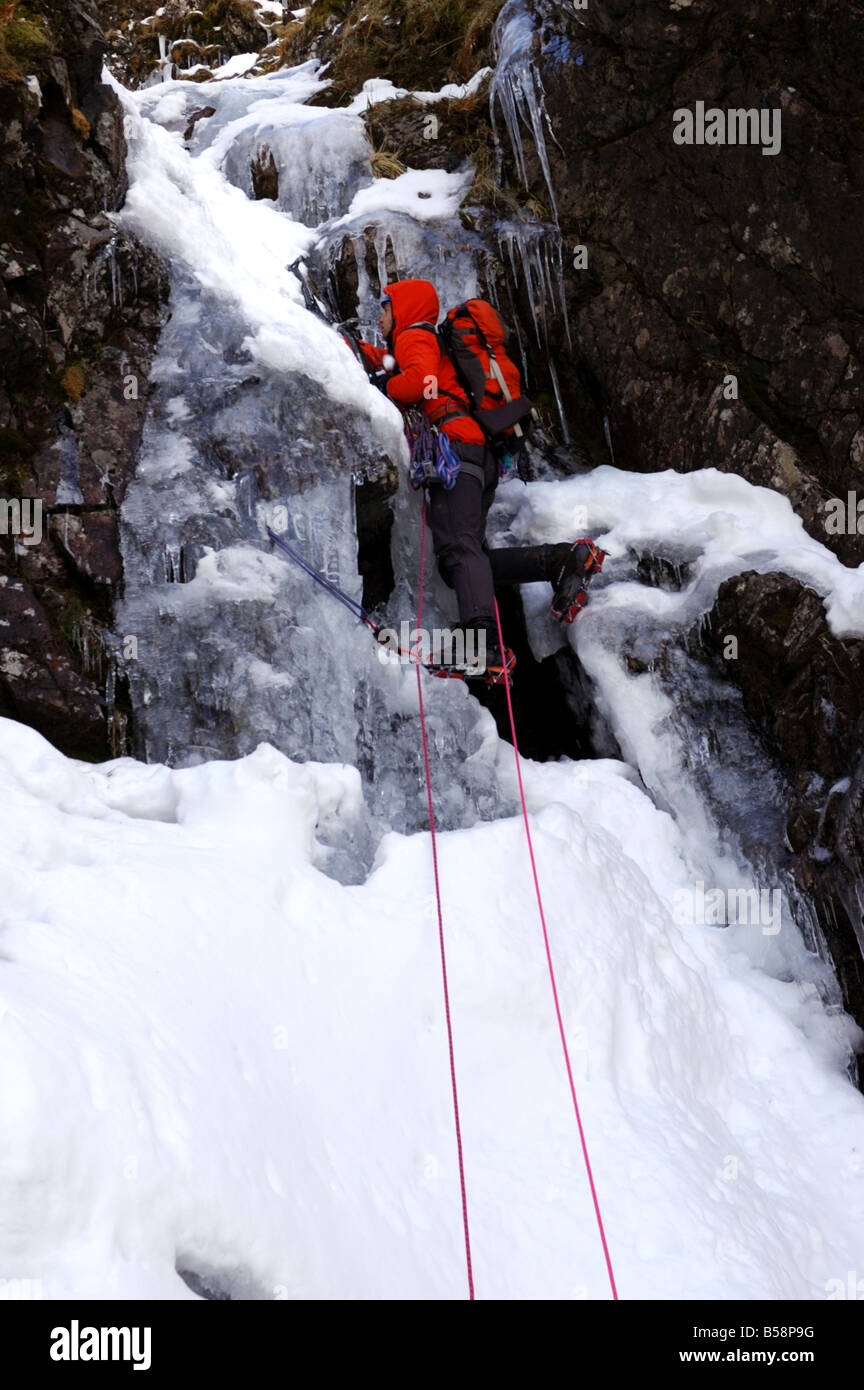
[491, 672]
[571, 594]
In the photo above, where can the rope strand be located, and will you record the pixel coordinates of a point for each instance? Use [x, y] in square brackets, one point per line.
[441, 918]
[552, 971]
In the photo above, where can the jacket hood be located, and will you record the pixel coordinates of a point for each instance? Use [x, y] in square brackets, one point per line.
[414, 301]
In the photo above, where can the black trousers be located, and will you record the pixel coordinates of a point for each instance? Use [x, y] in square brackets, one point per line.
[457, 519]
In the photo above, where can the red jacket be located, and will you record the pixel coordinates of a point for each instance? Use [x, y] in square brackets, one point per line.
[425, 376]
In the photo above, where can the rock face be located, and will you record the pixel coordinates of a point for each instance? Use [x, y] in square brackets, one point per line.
[712, 261]
[716, 313]
[184, 36]
[80, 310]
[805, 689]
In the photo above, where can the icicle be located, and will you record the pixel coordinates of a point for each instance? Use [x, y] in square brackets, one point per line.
[540, 267]
[165, 64]
[517, 87]
[110, 692]
[115, 274]
[555, 278]
[556, 386]
[381, 256]
[516, 238]
[608, 437]
[174, 563]
[247, 494]
[513, 318]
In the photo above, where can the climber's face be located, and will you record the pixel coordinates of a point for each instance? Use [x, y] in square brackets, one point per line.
[385, 322]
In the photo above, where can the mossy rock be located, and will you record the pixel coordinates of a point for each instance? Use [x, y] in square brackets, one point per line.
[448, 135]
[419, 44]
[73, 381]
[25, 44]
[27, 40]
[16, 452]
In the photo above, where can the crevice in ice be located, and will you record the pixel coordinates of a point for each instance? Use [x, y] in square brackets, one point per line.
[222, 1285]
[552, 699]
[175, 563]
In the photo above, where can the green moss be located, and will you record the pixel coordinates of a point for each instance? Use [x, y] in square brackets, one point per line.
[16, 452]
[73, 613]
[463, 134]
[26, 39]
[230, 23]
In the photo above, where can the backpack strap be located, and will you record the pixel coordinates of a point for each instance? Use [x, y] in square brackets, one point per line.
[446, 414]
[464, 312]
[457, 410]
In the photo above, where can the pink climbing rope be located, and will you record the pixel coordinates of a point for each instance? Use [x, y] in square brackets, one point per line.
[552, 969]
[419, 665]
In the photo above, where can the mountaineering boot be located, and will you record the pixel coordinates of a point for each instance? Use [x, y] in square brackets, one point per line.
[473, 653]
[579, 564]
[499, 668]
[460, 654]
[496, 665]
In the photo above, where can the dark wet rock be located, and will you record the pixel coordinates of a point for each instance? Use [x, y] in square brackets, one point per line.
[710, 261]
[90, 542]
[81, 307]
[804, 688]
[201, 114]
[198, 34]
[803, 685]
[659, 572]
[265, 176]
[39, 683]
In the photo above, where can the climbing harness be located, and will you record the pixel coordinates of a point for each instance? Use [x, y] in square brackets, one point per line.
[432, 457]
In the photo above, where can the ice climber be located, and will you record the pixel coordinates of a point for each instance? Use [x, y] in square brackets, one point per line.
[422, 373]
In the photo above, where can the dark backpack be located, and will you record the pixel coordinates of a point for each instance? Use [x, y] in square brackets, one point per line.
[474, 338]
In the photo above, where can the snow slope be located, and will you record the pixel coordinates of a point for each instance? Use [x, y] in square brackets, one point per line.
[216, 1057]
